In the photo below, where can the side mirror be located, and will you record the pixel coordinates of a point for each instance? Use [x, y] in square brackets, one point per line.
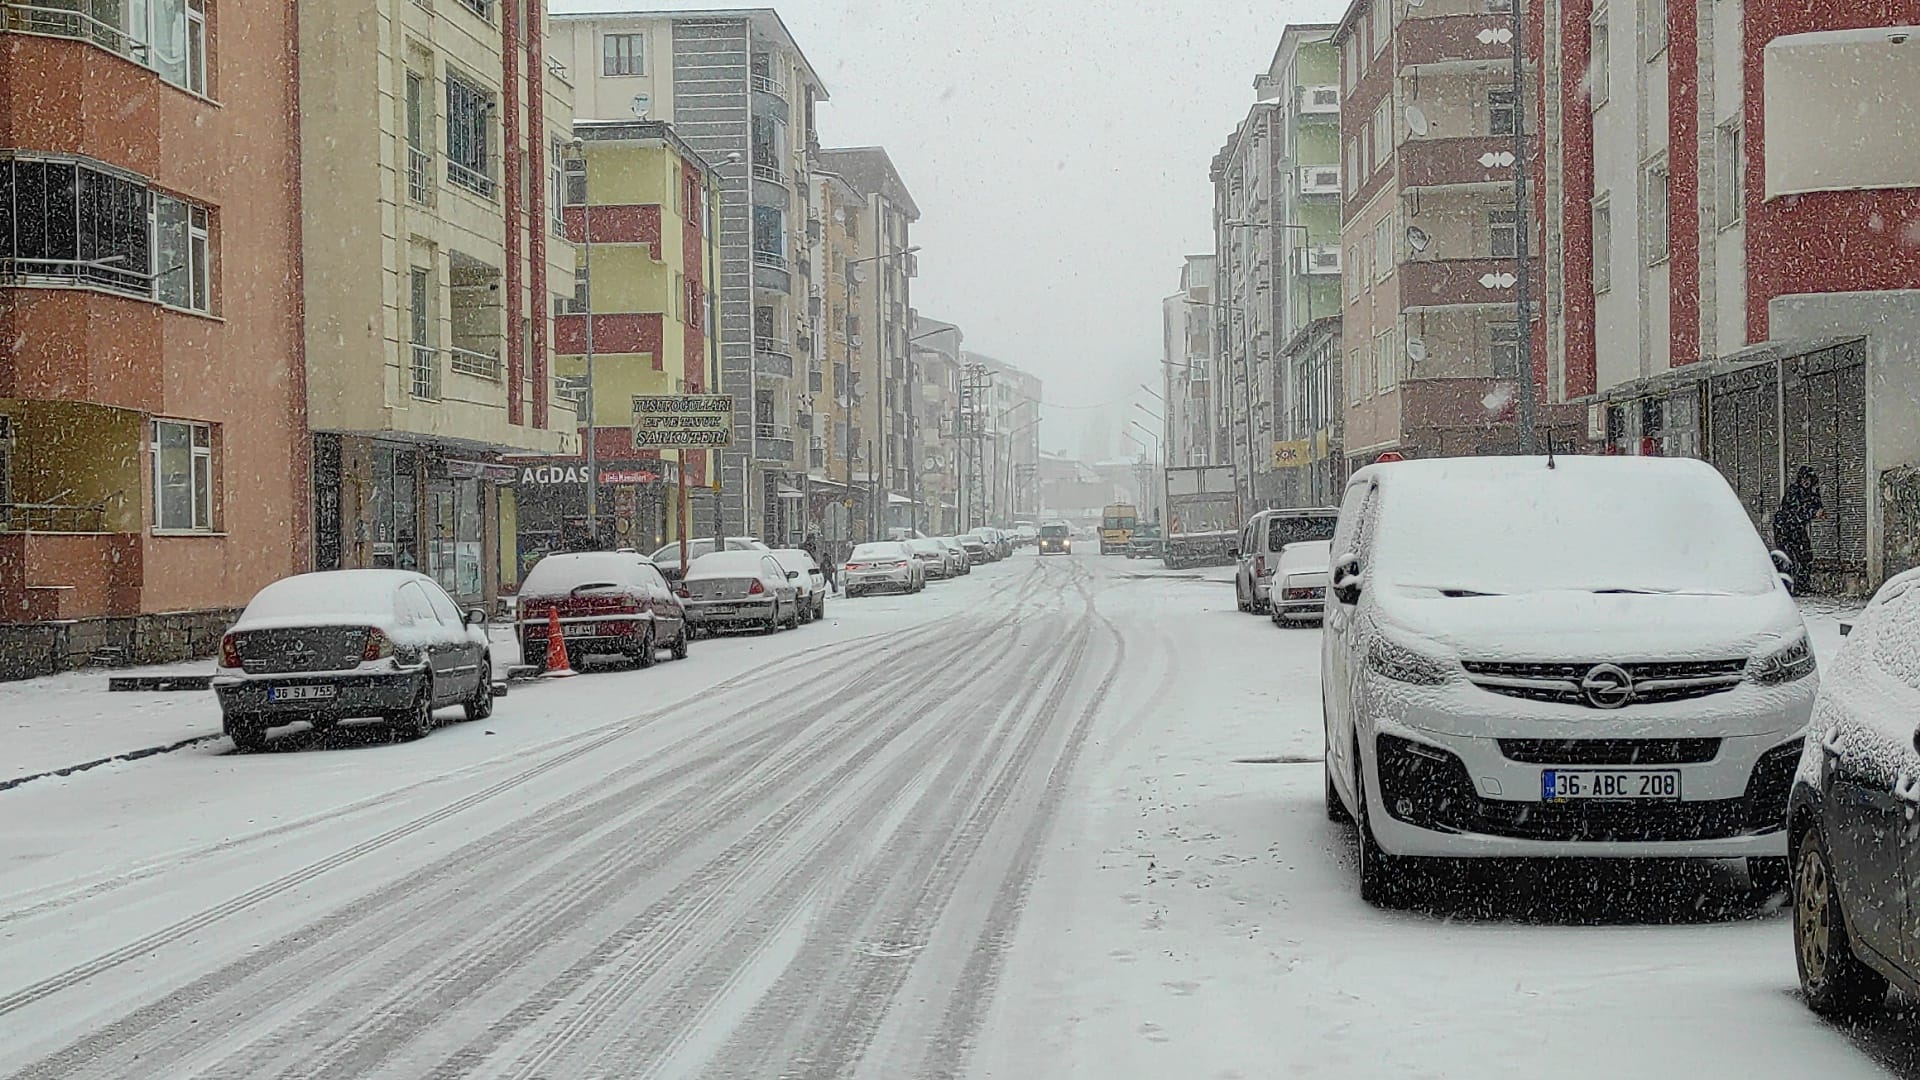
[1233, 553]
[476, 616]
[1781, 562]
[1346, 579]
[793, 575]
[1786, 582]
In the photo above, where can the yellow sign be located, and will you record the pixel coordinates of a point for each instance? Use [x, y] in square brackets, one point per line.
[674, 421]
[1292, 453]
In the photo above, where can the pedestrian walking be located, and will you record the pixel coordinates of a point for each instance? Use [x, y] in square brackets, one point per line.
[1799, 508]
[821, 557]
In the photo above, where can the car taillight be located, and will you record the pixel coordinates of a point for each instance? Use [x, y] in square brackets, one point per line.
[682, 593]
[1304, 594]
[900, 565]
[379, 645]
[756, 588]
[854, 566]
[229, 652]
[1260, 566]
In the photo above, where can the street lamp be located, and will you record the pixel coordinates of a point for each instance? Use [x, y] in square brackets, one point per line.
[1149, 412]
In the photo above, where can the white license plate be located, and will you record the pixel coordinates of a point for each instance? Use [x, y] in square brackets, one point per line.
[578, 630]
[720, 610]
[1561, 785]
[301, 693]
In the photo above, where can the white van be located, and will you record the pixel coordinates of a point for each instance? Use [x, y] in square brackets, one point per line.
[1256, 553]
[1594, 657]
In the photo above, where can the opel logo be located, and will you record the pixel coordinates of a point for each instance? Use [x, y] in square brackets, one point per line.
[1607, 686]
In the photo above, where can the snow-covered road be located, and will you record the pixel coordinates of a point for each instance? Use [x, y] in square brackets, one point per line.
[1059, 818]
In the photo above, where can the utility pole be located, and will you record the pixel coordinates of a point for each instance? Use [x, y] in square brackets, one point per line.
[593, 444]
[1529, 431]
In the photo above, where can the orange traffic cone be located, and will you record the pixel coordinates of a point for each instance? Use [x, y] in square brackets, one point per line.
[558, 666]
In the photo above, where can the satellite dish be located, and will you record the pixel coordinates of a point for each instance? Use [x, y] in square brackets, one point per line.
[642, 105]
[1416, 120]
[1417, 238]
[1416, 350]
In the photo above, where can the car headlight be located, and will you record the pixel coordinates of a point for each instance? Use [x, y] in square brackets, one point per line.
[1401, 664]
[1787, 663]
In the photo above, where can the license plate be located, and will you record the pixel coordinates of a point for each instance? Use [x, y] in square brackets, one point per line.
[1561, 785]
[301, 693]
[578, 630]
[720, 609]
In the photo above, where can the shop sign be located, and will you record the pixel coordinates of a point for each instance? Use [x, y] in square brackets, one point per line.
[628, 476]
[1292, 453]
[682, 421]
[546, 475]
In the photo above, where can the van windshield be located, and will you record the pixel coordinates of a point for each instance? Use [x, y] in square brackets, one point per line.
[1579, 528]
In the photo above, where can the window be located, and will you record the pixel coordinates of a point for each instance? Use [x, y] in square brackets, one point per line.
[1383, 131]
[69, 223]
[469, 128]
[424, 362]
[557, 184]
[769, 233]
[575, 187]
[1602, 243]
[1350, 57]
[1500, 110]
[1498, 7]
[180, 265]
[1385, 375]
[623, 54]
[182, 476]
[1730, 165]
[1357, 381]
[1383, 254]
[1653, 212]
[419, 128]
[482, 8]
[1382, 23]
[1502, 234]
[1366, 149]
[1503, 349]
[170, 36]
[1352, 175]
[1599, 60]
[1653, 28]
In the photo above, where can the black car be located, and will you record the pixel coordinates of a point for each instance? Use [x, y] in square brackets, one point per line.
[341, 644]
[1055, 539]
[1854, 846]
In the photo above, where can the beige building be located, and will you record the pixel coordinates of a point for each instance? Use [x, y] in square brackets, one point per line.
[432, 267]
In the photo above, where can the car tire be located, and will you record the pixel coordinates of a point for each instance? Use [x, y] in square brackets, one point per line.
[249, 733]
[647, 650]
[680, 643]
[1336, 810]
[820, 609]
[1385, 880]
[772, 625]
[794, 620]
[852, 592]
[1833, 980]
[416, 720]
[481, 705]
[1239, 598]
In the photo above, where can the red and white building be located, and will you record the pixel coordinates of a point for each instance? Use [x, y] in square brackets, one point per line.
[1729, 199]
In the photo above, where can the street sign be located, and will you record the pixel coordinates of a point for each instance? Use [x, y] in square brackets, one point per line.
[682, 421]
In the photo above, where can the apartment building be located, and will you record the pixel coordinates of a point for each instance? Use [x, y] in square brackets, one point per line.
[153, 444]
[935, 370]
[1186, 366]
[1005, 468]
[885, 265]
[737, 88]
[1245, 307]
[1732, 261]
[639, 206]
[839, 463]
[1429, 233]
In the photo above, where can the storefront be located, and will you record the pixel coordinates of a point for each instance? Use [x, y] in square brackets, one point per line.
[636, 506]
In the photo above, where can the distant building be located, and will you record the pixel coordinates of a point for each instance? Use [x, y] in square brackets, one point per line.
[1187, 365]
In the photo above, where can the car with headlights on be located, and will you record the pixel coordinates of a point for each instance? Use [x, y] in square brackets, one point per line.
[811, 584]
[935, 560]
[1588, 657]
[740, 590]
[345, 644]
[609, 603]
[1298, 588]
[1056, 538]
[883, 565]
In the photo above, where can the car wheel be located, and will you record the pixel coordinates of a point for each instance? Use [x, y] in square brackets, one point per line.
[249, 733]
[852, 592]
[1384, 878]
[773, 620]
[820, 609]
[1833, 980]
[1336, 810]
[680, 643]
[647, 650]
[1240, 598]
[481, 705]
[416, 720]
[794, 620]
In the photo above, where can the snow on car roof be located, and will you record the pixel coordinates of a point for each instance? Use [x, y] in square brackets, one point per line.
[727, 564]
[562, 571]
[877, 548]
[1306, 555]
[793, 559]
[325, 594]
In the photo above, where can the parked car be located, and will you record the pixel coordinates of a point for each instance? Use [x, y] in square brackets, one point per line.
[1588, 657]
[933, 556]
[609, 603]
[811, 584]
[1056, 538]
[883, 564]
[1262, 538]
[1025, 534]
[1299, 589]
[957, 556]
[734, 590]
[1146, 543]
[1853, 847]
[976, 549]
[342, 644]
[667, 559]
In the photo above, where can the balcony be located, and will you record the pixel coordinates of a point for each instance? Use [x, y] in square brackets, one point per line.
[419, 176]
[770, 272]
[1465, 42]
[1320, 260]
[1319, 179]
[1456, 283]
[774, 358]
[473, 362]
[423, 373]
[472, 179]
[769, 173]
[1478, 161]
[1320, 101]
[772, 444]
[769, 97]
[52, 20]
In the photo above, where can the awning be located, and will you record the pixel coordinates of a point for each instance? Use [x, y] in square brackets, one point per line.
[897, 499]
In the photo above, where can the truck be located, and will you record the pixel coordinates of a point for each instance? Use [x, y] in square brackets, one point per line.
[1116, 528]
[1203, 515]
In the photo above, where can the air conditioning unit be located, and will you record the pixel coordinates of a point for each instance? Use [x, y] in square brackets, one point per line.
[1320, 99]
[1320, 180]
[1320, 260]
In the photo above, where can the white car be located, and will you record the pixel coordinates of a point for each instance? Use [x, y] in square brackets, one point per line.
[1594, 657]
[1298, 588]
[811, 584]
[958, 565]
[883, 564]
[1257, 551]
[740, 590]
[667, 559]
[935, 560]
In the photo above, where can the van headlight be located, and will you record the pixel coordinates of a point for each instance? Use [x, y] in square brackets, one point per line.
[1401, 664]
[1787, 663]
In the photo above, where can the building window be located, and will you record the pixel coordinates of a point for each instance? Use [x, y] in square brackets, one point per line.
[623, 54]
[170, 36]
[574, 189]
[422, 327]
[482, 8]
[1599, 60]
[1502, 234]
[1352, 175]
[1500, 110]
[1498, 7]
[63, 222]
[1357, 380]
[1382, 24]
[1383, 259]
[1653, 28]
[182, 476]
[1383, 132]
[419, 131]
[1602, 243]
[180, 263]
[1385, 378]
[1503, 349]
[557, 184]
[1653, 211]
[1730, 166]
[469, 127]
[1366, 149]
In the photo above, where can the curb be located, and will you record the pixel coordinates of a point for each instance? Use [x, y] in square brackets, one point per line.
[131, 755]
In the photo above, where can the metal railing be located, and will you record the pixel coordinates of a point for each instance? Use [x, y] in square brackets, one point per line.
[768, 85]
[472, 179]
[776, 358]
[425, 373]
[769, 172]
[471, 362]
[770, 258]
[68, 23]
[419, 176]
[53, 517]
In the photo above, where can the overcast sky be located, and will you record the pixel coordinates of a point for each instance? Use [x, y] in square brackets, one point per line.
[1058, 152]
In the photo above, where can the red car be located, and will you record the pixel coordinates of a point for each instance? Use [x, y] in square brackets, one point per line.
[610, 603]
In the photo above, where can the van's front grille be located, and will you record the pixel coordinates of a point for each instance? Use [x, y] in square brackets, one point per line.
[1610, 751]
[1561, 681]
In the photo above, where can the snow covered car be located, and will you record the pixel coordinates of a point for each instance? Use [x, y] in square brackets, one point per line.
[976, 549]
[957, 556]
[1850, 816]
[610, 603]
[883, 564]
[667, 559]
[1055, 539]
[811, 584]
[1298, 589]
[342, 644]
[740, 589]
[1594, 657]
[934, 559]
[1257, 552]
